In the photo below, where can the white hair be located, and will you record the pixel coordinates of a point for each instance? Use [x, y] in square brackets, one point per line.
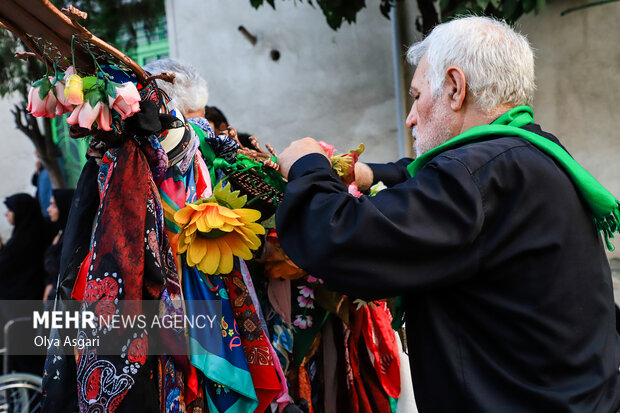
[497, 61]
[189, 90]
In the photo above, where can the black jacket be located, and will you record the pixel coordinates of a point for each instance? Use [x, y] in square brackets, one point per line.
[508, 294]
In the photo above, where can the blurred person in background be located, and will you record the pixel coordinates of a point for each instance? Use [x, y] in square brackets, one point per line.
[41, 180]
[21, 258]
[216, 119]
[22, 275]
[189, 94]
[58, 210]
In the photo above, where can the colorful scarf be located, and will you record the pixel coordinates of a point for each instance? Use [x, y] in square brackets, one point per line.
[604, 206]
[127, 261]
[365, 390]
[254, 341]
[220, 146]
[229, 386]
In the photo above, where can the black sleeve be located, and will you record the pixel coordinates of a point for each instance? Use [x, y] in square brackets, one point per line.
[391, 173]
[414, 236]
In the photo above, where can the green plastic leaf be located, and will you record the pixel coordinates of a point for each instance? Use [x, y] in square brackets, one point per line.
[110, 89]
[93, 96]
[88, 82]
[45, 87]
[38, 82]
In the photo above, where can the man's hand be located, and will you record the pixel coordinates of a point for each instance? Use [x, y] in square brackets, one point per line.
[296, 150]
[364, 176]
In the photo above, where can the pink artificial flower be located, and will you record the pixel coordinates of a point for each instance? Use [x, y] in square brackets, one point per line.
[329, 149]
[62, 105]
[354, 191]
[104, 120]
[85, 115]
[305, 302]
[306, 291]
[70, 71]
[312, 279]
[303, 322]
[41, 107]
[127, 100]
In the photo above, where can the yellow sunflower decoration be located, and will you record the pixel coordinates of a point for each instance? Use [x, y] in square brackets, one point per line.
[216, 228]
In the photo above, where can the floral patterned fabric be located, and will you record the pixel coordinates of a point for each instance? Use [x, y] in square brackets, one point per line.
[129, 260]
[254, 341]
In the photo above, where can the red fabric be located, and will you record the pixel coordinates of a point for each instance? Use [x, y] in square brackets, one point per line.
[381, 343]
[365, 390]
[120, 268]
[254, 341]
[80, 283]
[191, 387]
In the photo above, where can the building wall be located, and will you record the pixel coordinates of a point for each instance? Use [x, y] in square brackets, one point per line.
[17, 162]
[334, 86]
[338, 86]
[577, 58]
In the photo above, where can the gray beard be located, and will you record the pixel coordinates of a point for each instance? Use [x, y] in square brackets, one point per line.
[424, 145]
[437, 132]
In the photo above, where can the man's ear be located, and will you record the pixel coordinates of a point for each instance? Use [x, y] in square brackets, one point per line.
[457, 87]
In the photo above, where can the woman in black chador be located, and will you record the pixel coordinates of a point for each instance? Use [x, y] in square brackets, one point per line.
[21, 258]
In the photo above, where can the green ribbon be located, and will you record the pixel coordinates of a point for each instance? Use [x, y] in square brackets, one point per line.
[207, 152]
[604, 207]
[243, 163]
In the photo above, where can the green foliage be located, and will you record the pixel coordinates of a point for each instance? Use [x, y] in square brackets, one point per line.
[115, 21]
[338, 11]
[510, 10]
[335, 11]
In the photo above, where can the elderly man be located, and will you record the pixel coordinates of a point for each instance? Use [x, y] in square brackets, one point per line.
[488, 236]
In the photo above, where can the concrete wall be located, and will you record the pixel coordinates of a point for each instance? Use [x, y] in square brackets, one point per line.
[335, 86]
[578, 77]
[17, 162]
[577, 58]
[338, 86]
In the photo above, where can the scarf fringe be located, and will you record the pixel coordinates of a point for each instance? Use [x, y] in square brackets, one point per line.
[609, 225]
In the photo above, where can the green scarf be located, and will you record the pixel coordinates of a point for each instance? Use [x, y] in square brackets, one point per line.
[603, 205]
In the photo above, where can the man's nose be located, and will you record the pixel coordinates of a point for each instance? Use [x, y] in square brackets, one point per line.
[412, 119]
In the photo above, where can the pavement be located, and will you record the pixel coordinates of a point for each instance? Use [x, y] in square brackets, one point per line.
[615, 277]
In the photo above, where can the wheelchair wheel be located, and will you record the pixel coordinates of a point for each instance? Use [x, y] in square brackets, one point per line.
[20, 393]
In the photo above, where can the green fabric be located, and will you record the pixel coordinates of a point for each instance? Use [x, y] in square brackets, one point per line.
[603, 205]
[207, 152]
[270, 176]
[211, 364]
[243, 163]
[399, 314]
[393, 404]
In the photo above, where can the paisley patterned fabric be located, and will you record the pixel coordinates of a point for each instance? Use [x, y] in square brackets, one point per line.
[254, 340]
[129, 259]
